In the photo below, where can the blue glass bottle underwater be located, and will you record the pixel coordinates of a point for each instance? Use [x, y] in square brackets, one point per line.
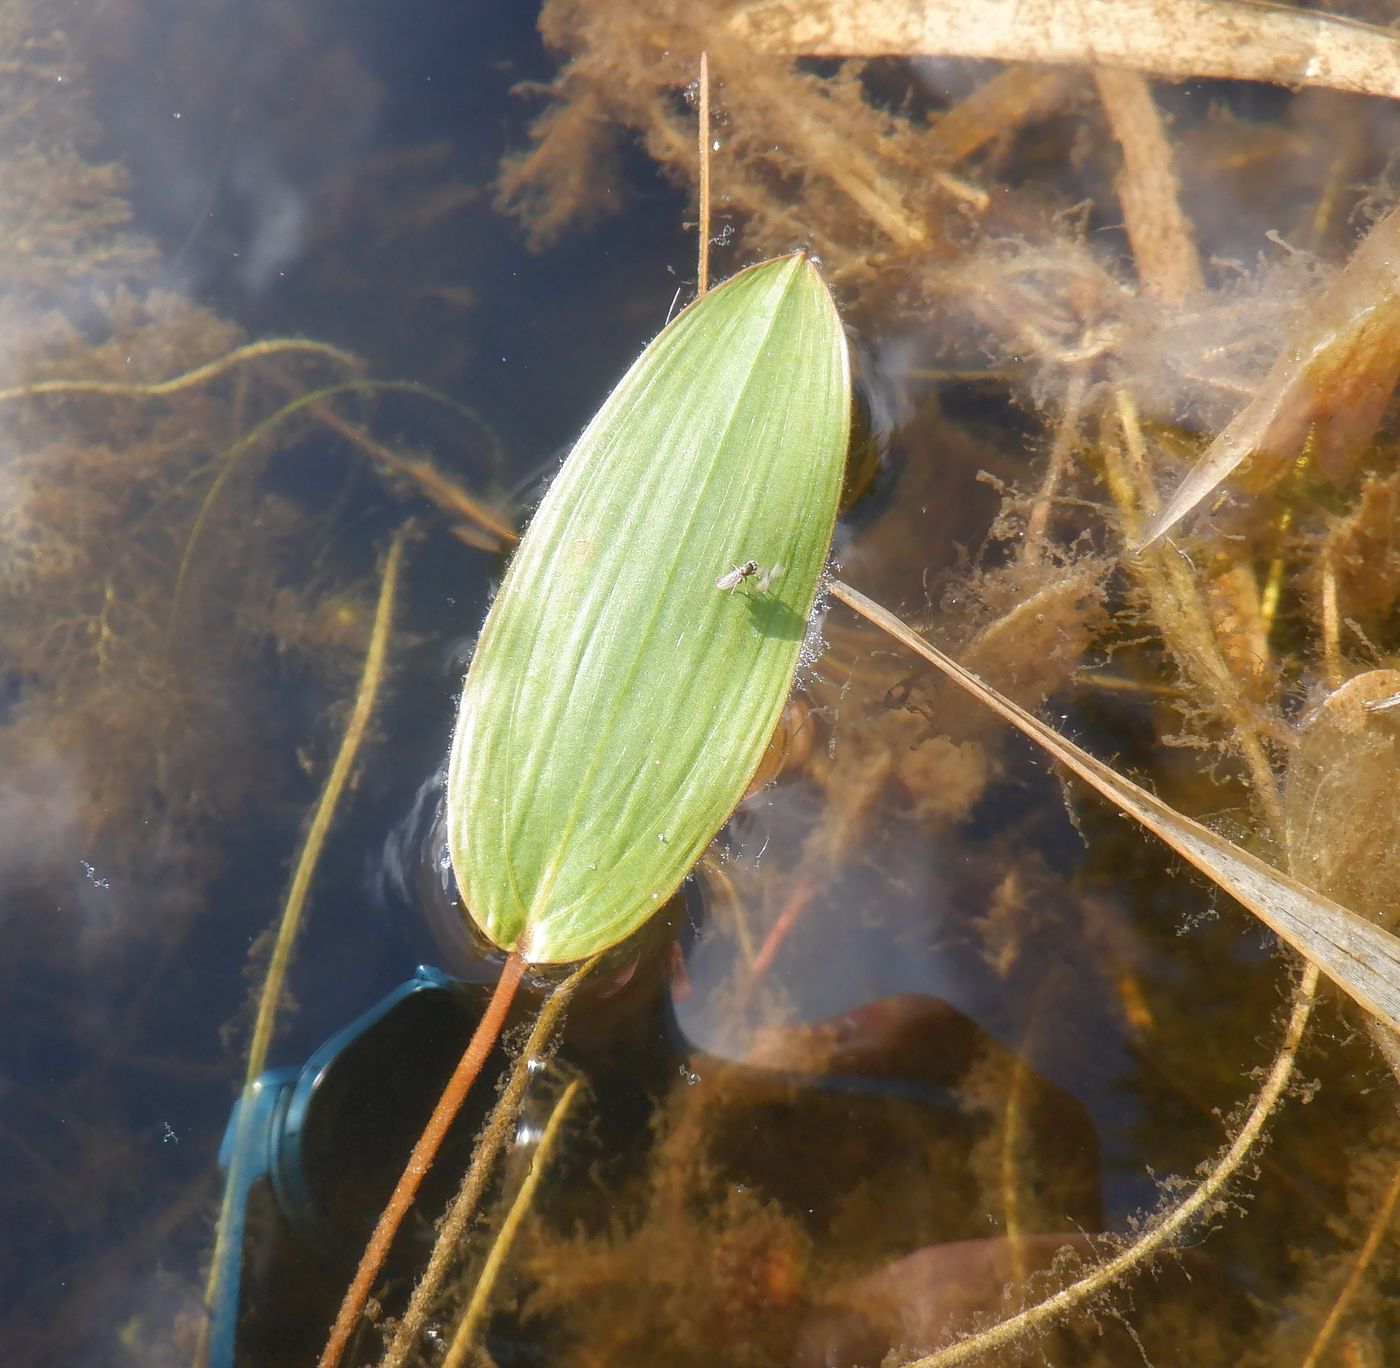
[290, 1127]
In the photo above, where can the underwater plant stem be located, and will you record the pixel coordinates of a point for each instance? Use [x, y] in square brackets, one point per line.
[1166, 576]
[472, 1317]
[1164, 248]
[226, 1252]
[1331, 629]
[487, 1031]
[1015, 96]
[703, 228]
[1170, 1226]
[211, 370]
[797, 903]
[1179, 1218]
[424, 479]
[489, 1144]
[1380, 1224]
[436, 489]
[1012, 1143]
[371, 678]
[1066, 438]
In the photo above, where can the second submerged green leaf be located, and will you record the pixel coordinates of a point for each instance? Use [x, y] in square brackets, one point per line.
[619, 701]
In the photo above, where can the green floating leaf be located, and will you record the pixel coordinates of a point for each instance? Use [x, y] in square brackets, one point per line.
[619, 701]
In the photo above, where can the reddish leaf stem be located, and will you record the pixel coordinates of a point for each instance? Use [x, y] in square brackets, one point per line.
[429, 1142]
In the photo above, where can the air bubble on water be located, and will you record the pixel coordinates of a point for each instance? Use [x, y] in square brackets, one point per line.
[90, 872]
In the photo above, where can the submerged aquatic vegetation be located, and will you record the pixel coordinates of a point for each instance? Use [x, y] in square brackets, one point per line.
[1072, 288]
[174, 621]
[1129, 324]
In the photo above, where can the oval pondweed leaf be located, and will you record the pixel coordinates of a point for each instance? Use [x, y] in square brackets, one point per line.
[620, 698]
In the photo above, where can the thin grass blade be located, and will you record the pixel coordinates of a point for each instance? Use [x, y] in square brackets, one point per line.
[1359, 956]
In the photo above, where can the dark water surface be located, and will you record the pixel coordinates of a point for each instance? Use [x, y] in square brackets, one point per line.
[920, 1000]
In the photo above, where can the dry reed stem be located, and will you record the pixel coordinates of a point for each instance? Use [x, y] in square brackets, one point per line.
[702, 246]
[270, 995]
[489, 1144]
[1175, 39]
[1012, 98]
[1380, 1223]
[1172, 1225]
[1360, 956]
[1164, 247]
[470, 1324]
[487, 1032]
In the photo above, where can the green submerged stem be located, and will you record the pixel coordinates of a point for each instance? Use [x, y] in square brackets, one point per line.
[211, 370]
[470, 1324]
[225, 1259]
[316, 401]
[1170, 1227]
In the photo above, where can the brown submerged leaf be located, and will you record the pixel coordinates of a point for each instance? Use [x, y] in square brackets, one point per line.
[1326, 392]
[1342, 777]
